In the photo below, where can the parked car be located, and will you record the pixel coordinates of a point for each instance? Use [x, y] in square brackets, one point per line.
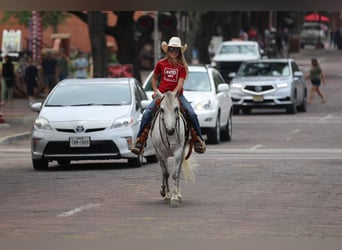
[89, 119]
[209, 95]
[230, 55]
[313, 33]
[269, 83]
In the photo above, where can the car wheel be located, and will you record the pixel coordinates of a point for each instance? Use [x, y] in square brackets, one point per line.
[214, 135]
[151, 159]
[40, 164]
[302, 106]
[227, 132]
[63, 162]
[136, 162]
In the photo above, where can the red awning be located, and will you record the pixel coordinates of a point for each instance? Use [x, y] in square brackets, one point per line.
[315, 17]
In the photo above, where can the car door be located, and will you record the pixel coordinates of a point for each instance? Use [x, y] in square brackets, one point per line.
[223, 98]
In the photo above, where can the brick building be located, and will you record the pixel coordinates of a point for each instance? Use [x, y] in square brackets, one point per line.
[73, 27]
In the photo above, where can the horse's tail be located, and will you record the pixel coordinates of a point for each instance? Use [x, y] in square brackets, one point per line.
[190, 168]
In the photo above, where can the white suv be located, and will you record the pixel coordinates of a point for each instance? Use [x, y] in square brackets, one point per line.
[231, 54]
[313, 34]
[209, 95]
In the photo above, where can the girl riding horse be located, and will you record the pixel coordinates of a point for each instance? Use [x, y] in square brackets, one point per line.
[173, 70]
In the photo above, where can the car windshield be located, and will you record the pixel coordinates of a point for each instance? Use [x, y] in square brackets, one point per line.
[85, 95]
[264, 69]
[238, 49]
[196, 81]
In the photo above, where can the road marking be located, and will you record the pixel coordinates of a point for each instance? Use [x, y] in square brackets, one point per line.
[77, 210]
[279, 153]
[295, 131]
[327, 117]
[256, 146]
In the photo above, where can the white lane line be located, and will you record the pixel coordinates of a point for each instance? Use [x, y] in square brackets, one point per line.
[327, 117]
[77, 210]
[295, 131]
[256, 146]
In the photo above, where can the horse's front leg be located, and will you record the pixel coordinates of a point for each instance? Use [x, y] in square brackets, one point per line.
[176, 194]
[165, 189]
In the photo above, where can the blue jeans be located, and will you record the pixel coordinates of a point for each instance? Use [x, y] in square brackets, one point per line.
[147, 116]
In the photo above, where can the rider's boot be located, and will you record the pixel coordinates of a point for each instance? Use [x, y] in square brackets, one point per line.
[139, 144]
[199, 144]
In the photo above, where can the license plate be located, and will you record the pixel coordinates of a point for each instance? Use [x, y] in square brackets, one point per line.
[258, 98]
[80, 142]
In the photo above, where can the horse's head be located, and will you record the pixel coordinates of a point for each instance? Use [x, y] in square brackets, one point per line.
[169, 111]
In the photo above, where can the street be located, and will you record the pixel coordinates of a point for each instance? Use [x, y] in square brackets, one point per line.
[279, 178]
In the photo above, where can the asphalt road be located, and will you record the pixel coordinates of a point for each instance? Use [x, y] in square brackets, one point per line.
[279, 178]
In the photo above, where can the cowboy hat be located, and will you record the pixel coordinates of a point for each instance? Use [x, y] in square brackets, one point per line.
[174, 42]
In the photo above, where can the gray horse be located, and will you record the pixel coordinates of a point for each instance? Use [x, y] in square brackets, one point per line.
[170, 138]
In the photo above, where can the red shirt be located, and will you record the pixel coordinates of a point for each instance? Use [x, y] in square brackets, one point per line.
[170, 74]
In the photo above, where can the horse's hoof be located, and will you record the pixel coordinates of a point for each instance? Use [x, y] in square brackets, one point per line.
[162, 193]
[175, 202]
[167, 200]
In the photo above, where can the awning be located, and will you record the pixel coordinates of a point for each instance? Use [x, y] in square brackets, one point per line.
[315, 17]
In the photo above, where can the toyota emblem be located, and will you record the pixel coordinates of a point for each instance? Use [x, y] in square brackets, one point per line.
[80, 129]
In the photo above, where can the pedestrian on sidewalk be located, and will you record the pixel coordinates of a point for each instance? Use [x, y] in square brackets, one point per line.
[50, 74]
[316, 76]
[8, 81]
[31, 79]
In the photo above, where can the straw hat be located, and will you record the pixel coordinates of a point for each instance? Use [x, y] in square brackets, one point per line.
[174, 42]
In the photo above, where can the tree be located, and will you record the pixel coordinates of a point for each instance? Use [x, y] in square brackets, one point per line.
[50, 18]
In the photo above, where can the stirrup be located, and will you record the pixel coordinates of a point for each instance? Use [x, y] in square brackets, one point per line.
[137, 149]
[200, 146]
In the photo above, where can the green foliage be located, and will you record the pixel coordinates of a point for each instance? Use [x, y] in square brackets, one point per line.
[50, 18]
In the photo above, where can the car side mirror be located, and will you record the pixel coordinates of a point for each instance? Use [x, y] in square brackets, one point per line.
[298, 74]
[232, 74]
[144, 104]
[36, 107]
[223, 87]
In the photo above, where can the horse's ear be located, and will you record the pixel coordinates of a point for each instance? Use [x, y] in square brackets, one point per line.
[177, 93]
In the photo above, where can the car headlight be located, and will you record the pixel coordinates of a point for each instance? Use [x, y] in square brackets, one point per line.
[203, 105]
[123, 122]
[282, 85]
[236, 85]
[42, 123]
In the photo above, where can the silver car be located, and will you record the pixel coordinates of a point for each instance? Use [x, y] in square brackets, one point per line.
[269, 83]
[209, 95]
[89, 119]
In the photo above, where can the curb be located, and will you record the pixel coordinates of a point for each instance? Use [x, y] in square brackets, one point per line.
[13, 138]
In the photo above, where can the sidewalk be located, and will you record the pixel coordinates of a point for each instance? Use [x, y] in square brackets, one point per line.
[18, 120]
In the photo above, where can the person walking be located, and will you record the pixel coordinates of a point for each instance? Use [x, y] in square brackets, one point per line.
[316, 75]
[31, 79]
[81, 65]
[63, 66]
[8, 81]
[172, 70]
[49, 67]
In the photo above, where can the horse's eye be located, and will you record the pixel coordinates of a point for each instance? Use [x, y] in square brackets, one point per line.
[161, 110]
[176, 109]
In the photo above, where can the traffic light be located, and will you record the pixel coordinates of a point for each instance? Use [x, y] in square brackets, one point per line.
[166, 22]
[145, 24]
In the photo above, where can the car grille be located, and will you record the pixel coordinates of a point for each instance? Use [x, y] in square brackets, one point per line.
[74, 131]
[96, 147]
[258, 88]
